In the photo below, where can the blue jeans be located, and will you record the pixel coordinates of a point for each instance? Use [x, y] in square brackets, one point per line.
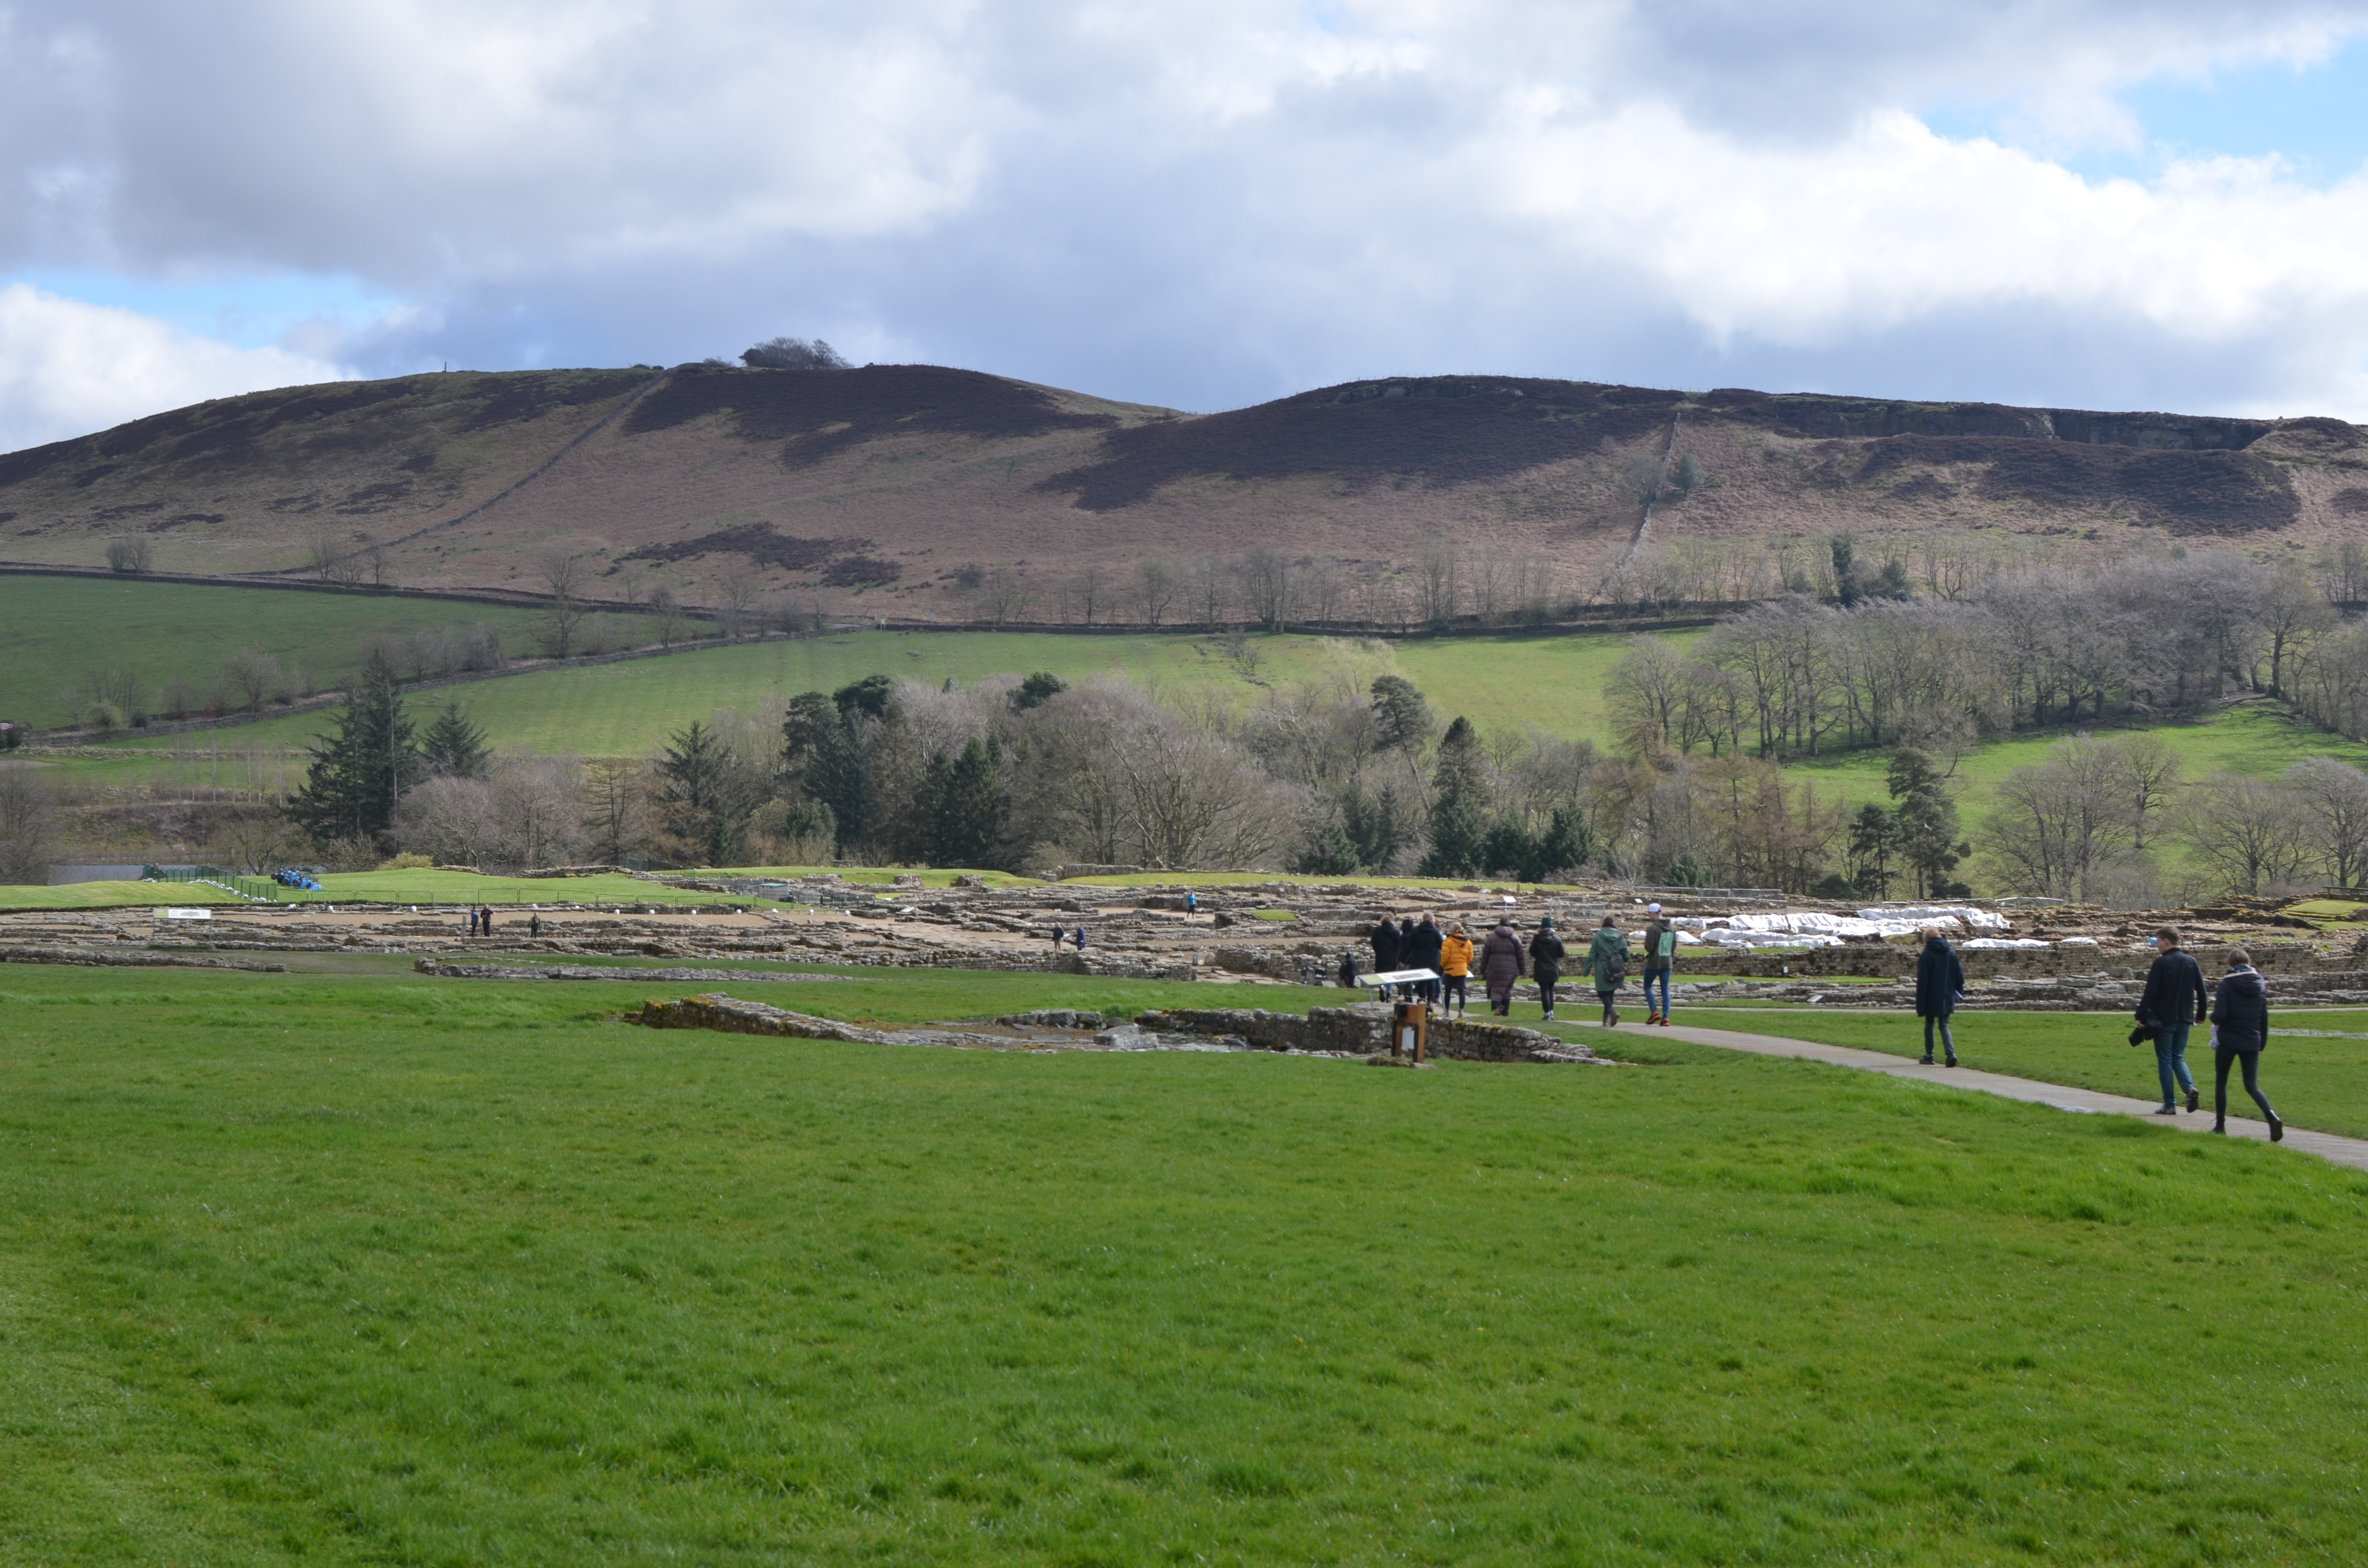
[1663, 976]
[2171, 1061]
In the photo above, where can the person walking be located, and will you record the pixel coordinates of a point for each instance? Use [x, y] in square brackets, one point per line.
[485, 920]
[1386, 942]
[1661, 957]
[1423, 950]
[1546, 953]
[2172, 1003]
[2240, 1016]
[1500, 965]
[1607, 962]
[473, 921]
[1348, 975]
[1939, 980]
[534, 926]
[1080, 939]
[1455, 968]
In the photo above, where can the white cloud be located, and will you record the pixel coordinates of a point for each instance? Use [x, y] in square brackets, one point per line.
[67, 367]
[1211, 202]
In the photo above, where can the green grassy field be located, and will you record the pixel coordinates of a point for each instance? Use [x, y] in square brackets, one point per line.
[54, 628]
[367, 1267]
[2260, 741]
[2318, 1081]
[431, 886]
[623, 709]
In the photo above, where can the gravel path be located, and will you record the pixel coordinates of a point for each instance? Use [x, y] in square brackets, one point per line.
[2352, 1152]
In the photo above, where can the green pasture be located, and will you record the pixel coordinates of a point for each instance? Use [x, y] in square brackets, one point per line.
[2256, 739]
[54, 628]
[628, 708]
[373, 1268]
[2318, 1080]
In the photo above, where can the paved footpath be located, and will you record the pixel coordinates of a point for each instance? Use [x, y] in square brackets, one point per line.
[2353, 1152]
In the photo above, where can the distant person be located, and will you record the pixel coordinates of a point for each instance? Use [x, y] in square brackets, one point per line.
[485, 920]
[1546, 953]
[534, 926]
[1423, 950]
[1500, 966]
[1348, 975]
[1455, 968]
[1607, 962]
[2241, 1014]
[472, 922]
[1080, 939]
[1386, 942]
[1058, 933]
[2172, 1004]
[1407, 947]
[1939, 980]
[1192, 903]
[1661, 957]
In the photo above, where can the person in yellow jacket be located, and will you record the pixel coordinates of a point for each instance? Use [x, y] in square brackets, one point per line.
[1455, 966]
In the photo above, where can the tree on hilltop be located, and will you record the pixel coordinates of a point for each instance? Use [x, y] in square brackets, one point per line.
[794, 354]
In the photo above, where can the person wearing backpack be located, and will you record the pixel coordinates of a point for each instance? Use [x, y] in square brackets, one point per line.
[1546, 953]
[2172, 1004]
[1607, 962]
[1661, 957]
[2241, 1014]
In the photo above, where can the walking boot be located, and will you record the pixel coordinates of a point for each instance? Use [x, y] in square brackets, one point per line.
[2277, 1129]
[1953, 1061]
[2194, 1100]
[1924, 1061]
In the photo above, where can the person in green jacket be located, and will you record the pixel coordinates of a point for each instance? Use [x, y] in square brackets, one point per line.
[1606, 960]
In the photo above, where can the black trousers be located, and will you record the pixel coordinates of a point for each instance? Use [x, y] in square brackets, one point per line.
[1546, 983]
[2221, 1057]
[1455, 984]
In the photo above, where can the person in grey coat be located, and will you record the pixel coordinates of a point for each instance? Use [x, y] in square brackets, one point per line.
[1939, 980]
[2240, 1016]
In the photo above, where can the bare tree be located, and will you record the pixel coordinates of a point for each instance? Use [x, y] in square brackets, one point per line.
[1209, 595]
[1267, 582]
[1157, 585]
[2334, 797]
[616, 802]
[564, 572]
[736, 597]
[1441, 584]
[667, 614]
[794, 354]
[1007, 593]
[253, 675]
[1085, 595]
[27, 827]
[2251, 832]
[331, 561]
[130, 554]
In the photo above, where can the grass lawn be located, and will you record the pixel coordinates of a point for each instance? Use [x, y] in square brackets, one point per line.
[53, 629]
[432, 886]
[624, 710]
[2252, 739]
[377, 1269]
[2316, 1081]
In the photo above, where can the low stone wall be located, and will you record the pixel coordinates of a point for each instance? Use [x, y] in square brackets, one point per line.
[1364, 1030]
[1895, 960]
[116, 957]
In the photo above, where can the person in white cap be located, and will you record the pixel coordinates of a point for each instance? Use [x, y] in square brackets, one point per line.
[1661, 957]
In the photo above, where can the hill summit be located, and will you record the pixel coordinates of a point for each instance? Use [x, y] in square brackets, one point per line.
[914, 490]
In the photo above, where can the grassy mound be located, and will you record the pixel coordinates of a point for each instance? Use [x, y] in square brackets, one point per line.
[371, 1267]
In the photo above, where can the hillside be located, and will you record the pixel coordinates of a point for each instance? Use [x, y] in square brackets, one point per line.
[898, 490]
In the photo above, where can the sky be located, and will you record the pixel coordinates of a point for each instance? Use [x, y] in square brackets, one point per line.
[2083, 204]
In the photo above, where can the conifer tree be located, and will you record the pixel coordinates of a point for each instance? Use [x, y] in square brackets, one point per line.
[357, 774]
[1457, 783]
[454, 747]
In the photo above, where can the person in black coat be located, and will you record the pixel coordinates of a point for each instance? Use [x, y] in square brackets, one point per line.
[2172, 1004]
[1939, 980]
[2241, 1015]
[1387, 945]
[1422, 948]
[1546, 953]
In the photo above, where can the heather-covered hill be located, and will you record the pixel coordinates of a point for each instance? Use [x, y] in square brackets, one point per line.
[924, 491]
